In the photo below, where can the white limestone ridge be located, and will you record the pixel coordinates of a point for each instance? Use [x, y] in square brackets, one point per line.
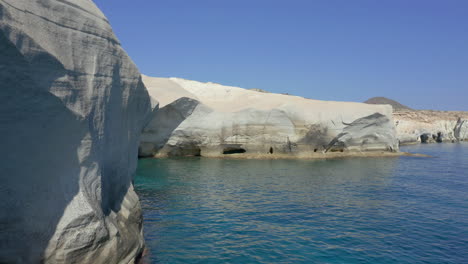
[210, 119]
[426, 126]
[416, 126]
[72, 108]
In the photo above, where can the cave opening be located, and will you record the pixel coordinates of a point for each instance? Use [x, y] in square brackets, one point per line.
[424, 138]
[196, 152]
[337, 150]
[271, 150]
[186, 151]
[231, 150]
[439, 137]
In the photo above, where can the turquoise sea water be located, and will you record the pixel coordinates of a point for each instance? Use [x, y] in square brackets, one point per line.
[361, 210]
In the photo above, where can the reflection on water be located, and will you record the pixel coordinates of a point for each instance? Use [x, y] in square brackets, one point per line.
[376, 210]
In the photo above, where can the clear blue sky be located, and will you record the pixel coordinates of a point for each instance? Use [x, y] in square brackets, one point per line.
[413, 51]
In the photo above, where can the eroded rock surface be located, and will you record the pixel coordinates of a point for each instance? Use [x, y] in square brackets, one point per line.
[364, 134]
[72, 108]
[426, 126]
[213, 120]
[430, 126]
[461, 129]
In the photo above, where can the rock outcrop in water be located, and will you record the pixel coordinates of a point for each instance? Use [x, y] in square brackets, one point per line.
[461, 129]
[72, 108]
[213, 120]
[431, 126]
[415, 126]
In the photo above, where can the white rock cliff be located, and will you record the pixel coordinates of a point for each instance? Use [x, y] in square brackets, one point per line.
[415, 126]
[72, 105]
[213, 120]
[426, 126]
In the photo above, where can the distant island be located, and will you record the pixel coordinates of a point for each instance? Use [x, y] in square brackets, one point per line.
[385, 101]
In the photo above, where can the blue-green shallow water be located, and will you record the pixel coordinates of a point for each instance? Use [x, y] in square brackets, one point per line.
[372, 210]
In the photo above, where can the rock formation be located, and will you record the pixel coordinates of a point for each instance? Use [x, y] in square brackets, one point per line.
[213, 120]
[461, 129]
[415, 126]
[72, 108]
[430, 126]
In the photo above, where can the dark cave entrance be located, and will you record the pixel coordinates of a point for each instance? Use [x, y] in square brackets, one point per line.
[424, 138]
[439, 137]
[337, 150]
[271, 150]
[186, 151]
[232, 150]
[196, 152]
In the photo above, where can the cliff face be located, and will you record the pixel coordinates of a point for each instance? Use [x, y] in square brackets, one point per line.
[431, 126]
[72, 108]
[213, 120]
[461, 129]
[415, 126]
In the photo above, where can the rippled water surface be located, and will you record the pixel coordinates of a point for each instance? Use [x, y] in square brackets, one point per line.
[374, 210]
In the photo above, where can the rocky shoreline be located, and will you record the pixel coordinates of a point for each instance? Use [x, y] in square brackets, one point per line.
[424, 126]
[73, 108]
[309, 156]
[213, 120]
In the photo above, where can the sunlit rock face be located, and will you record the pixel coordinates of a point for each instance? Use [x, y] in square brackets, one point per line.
[213, 120]
[423, 126]
[461, 130]
[72, 108]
